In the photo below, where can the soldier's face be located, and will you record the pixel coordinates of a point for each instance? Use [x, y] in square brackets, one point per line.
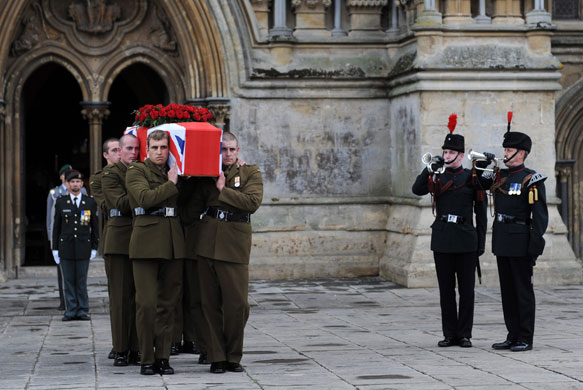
[113, 152]
[454, 156]
[158, 151]
[75, 185]
[230, 152]
[130, 150]
[516, 160]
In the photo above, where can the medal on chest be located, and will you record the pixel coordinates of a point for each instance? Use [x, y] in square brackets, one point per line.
[237, 181]
[85, 217]
[515, 189]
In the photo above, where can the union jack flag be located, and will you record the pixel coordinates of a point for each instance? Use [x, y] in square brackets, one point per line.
[195, 147]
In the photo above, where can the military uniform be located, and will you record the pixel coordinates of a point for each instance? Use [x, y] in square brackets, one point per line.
[156, 249]
[517, 240]
[116, 251]
[54, 194]
[455, 242]
[75, 234]
[223, 245]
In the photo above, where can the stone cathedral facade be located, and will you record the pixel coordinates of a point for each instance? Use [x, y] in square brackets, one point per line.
[335, 100]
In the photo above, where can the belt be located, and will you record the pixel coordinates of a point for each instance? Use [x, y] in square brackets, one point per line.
[161, 212]
[227, 216]
[452, 218]
[503, 218]
[115, 213]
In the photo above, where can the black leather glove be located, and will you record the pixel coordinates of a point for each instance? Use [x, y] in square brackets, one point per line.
[482, 163]
[489, 156]
[439, 162]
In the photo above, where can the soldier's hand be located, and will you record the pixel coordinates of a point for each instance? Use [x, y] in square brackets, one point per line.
[93, 254]
[220, 181]
[56, 257]
[173, 174]
[490, 156]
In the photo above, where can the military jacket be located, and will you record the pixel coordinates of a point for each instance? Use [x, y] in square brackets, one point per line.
[75, 230]
[116, 198]
[96, 191]
[153, 237]
[511, 199]
[460, 199]
[54, 194]
[243, 193]
[191, 207]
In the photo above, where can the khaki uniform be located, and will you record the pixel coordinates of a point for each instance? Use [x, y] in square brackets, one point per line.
[116, 251]
[156, 249]
[223, 248]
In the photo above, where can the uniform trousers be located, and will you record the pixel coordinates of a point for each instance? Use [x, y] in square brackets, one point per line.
[158, 285]
[224, 289]
[199, 329]
[518, 301]
[122, 303]
[61, 288]
[448, 266]
[75, 283]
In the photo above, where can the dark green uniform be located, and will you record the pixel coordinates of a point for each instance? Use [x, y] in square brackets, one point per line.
[116, 251]
[156, 249]
[223, 245]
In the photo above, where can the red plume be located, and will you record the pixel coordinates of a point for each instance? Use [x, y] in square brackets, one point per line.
[452, 122]
[509, 119]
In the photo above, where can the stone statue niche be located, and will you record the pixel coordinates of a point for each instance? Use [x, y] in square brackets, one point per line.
[94, 16]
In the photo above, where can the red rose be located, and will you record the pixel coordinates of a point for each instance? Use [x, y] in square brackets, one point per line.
[171, 114]
[143, 116]
[137, 117]
[179, 114]
[154, 114]
[197, 116]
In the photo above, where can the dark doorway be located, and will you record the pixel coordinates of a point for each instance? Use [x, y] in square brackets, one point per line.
[134, 87]
[54, 134]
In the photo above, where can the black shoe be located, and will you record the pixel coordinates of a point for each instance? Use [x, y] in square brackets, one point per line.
[67, 318]
[218, 367]
[234, 367]
[203, 358]
[111, 354]
[83, 317]
[162, 367]
[521, 347]
[465, 342]
[447, 342]
[189, 347]
[121, 360]
[503, 345]
[134, 358]
[175, 349]
[147, 369]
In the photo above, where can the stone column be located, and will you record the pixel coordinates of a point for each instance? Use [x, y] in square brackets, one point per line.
[457, 12]
[95, 113]
[280, 30]
[507, 12]
[261, 8]
[338, 31]
[429, 16]
[394, 26]
[365, 17]
[482, 18]
[5, 263]
[311, 18]
[220, 108]
[538, 15]
[563, 170]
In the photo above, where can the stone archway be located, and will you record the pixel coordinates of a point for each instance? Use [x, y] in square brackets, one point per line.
[177, 39]
[569, 143]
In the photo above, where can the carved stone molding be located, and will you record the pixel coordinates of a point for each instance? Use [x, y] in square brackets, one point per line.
[365, 17]
[366, 3]
[310, 17]
[221, 110]
[34, 30]
[311, 3]
[2, 111]
[261, 8]
[94, 16]
[161, 32]
[95, 112]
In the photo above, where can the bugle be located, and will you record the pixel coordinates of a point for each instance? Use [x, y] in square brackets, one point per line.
[429, 160]
[477, 156]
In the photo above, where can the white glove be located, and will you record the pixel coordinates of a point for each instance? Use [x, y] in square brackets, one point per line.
[56, 257]
[93, 254]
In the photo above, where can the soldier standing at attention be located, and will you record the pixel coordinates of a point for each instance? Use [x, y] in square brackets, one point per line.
[54, 194]
[111, 154]
[517, 236]
[116, 251]
[455, 242]
[75, 240]
[156, 250]
[223, 246]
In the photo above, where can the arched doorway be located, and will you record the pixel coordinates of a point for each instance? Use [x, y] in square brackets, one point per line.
[569, 143]
[135, 86]
[54, 134]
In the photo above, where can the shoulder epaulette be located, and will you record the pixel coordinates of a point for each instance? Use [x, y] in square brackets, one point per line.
[536, 177]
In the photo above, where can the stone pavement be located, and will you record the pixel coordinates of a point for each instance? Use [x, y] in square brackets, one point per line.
[362, 333]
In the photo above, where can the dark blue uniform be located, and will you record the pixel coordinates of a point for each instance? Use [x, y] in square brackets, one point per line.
[456, 243]
[75, 234]
[520, 222]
